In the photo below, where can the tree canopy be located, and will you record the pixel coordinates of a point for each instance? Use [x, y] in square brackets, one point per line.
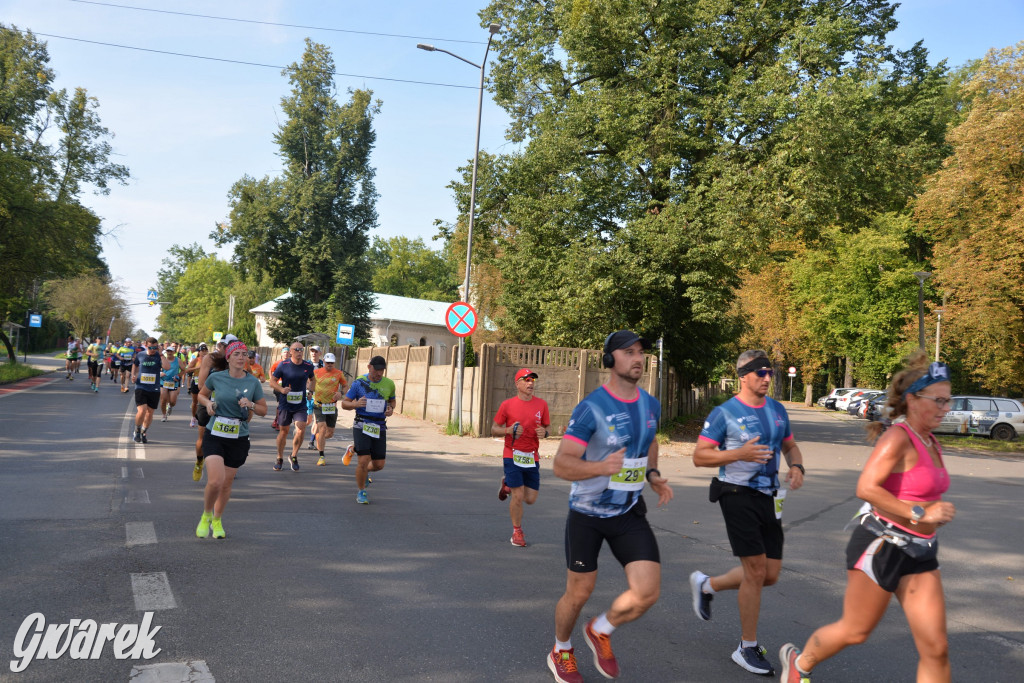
[408, 267]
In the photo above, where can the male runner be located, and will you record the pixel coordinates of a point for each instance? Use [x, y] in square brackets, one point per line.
[317, 361]
[329, 385]
[745, 438]
[608, 452]
[291, 379]
[95, 363]
[170, 383]
[277, 395]
[71, 356]
[126, 354]
[372, 396]
[523, 420]
[146, 369]
[191, 375]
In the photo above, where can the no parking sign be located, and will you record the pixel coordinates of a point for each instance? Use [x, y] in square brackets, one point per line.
[460, 319]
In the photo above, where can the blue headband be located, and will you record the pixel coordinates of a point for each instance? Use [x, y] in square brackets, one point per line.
[937, 372]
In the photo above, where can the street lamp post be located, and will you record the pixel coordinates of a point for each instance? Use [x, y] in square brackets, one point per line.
[494, 28]
[921, 277]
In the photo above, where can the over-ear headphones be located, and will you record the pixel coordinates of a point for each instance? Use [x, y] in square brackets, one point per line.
[608, 360]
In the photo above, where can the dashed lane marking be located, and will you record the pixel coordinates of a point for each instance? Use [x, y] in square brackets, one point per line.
[152, 591]
[174, 672]
[139, 533]
[137, 496]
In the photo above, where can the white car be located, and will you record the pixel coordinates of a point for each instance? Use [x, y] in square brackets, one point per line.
[830, 400]
[843, 402]
[999, 418]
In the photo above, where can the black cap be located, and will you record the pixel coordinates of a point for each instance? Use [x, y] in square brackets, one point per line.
[378, 362]
[624, 339]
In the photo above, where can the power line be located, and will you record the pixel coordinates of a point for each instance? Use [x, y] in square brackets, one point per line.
[238, 61]
[272, 23]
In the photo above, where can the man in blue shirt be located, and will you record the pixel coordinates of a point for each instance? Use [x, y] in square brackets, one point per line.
[608, 453]
[292, 378]
[745, 438]
[146, 368]
[372, 396]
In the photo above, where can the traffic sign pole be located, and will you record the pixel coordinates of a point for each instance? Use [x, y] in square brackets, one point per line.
[460, 319]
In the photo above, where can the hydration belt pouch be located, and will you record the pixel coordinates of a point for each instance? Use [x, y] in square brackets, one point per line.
[915, 547]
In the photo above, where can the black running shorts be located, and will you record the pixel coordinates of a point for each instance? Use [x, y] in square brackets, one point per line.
[883, 562]
[234, 451]
[629, 536]
[751, 524]
[148, 398]
[330, 419]
[367, 445]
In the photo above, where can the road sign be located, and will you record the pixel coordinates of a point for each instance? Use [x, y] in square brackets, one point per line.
[792, 371]
[346, 333]
[460, 319]
[217, 336]
[35, 320]
[151, 295]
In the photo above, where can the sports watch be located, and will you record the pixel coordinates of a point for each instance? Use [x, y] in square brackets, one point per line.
[916, 514]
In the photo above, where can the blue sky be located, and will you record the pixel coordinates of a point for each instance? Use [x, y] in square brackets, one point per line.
[189, 128]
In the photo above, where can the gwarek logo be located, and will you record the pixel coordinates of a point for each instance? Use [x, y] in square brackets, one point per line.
[81, 639]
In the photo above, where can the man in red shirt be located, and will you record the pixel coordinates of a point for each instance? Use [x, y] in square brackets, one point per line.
[523, 420]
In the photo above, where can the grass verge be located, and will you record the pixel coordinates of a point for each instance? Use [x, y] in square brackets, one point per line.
[975, 443]
[12, 372]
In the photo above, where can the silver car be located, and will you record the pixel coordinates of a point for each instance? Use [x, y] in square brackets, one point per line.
[999, 418]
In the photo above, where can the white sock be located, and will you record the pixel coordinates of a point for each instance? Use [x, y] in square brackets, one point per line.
[559, 645]
[748, 643]
[706, 587]
[602, 625]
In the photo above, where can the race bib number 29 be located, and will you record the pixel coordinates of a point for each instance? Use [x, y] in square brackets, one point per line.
[631, 476]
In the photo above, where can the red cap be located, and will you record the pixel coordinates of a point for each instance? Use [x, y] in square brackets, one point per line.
[525, 372]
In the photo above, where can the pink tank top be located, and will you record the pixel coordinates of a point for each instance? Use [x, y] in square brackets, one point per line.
[924, 481]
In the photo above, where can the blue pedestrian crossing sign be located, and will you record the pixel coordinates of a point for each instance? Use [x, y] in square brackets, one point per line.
[35, 320]
[346, 333]
[151, 295]
[460, 319]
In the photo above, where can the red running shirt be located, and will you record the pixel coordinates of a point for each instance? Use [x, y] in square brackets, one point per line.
[529, 414]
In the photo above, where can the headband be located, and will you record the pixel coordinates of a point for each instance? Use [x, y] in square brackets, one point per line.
[937, 372]
[755, 364]
[234, 346]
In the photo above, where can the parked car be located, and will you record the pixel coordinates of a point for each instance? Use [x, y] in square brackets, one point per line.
[830, 400]
[843, 402]
[997, 417]
[859, 403]
[877, 411]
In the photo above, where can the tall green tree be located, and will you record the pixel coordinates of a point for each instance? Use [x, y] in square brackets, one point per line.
[408, 267]
[52, 146]
[172, 267]
[307, 229]
[87, 303]
[666, 146]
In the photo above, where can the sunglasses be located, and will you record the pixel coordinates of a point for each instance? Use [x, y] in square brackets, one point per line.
[298, 350]
[764, 372]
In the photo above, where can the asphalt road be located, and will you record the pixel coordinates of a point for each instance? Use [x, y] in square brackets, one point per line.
[422, 584]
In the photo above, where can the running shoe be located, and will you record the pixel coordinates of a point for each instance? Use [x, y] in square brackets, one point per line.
[563, 665]
[274, 425]
[164, 418]
[503, 490]
[347, 458]
[144, 440]
[362, 498]
[137, 437]
[193, 422]
[753, 660]
[321, 462]
[169, 409]
[295, 464]
[277, 464]
[518, 538]
[601, 645]
[788, 654]
[701, 600]
[218, 528]
[203, 530]
[197, 470]
[312, 443]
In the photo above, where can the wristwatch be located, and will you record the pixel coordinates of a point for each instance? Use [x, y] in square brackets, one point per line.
[653, 469]
[799, 467]
[916, 514]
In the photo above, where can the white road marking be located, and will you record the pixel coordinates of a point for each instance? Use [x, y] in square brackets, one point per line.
[124, 472]
[175, 672]
[137, 496]
[1005, 642]
[127, 428]
[152, 591]
[139, 533]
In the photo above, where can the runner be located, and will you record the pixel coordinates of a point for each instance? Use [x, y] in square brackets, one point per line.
[292, 378]
[608, 452]
[95, 364]
[523, 420]
[277, 394]
[253, 366]
[170, 383]
[70, 357]
[191, 374]
[212, 362]
[894, 547]
[81, 349]
[329, 384]
[146, 369]
[314, 358]
[232, 398]
[746, 438]
[126, 354]
[111, 360]
[372, 396]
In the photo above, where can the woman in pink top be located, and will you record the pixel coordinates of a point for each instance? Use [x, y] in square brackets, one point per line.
[894, 546]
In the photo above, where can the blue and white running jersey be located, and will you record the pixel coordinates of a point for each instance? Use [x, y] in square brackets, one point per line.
[604, 424]
[733, 423]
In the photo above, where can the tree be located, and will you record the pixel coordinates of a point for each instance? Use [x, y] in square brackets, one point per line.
[51, 146]
[405, 267]
[973, 213]
[87, 303]
[307, 229]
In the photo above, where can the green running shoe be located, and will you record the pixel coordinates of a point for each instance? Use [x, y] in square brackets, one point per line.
[203, 530]
[218, 528]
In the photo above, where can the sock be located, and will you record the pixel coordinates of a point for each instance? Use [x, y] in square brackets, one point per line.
[748, 643]
[602, 625]
[706, 587]
[801, 670]
[321, 454]
[559, 645]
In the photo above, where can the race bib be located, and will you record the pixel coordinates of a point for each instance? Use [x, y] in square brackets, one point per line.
[780, 498]
[328, 408]
[226, 427]
[523, 459]
[371, 430]
[631, 476]
[375, 405]
[146, 378]
[169, 384]
[294, 397]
